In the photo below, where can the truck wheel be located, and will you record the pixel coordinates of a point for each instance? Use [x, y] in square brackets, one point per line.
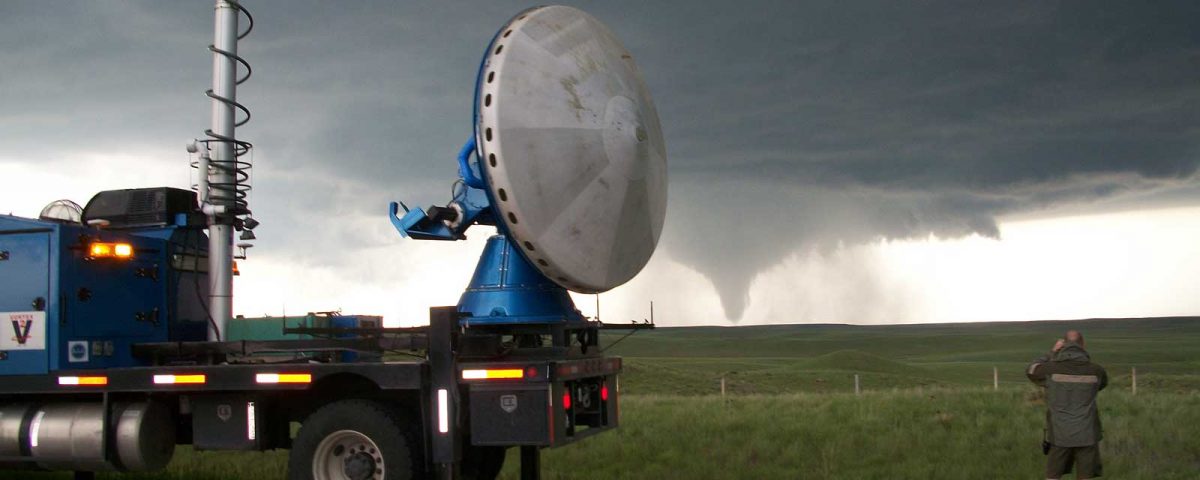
[354, 440]
[481, 463]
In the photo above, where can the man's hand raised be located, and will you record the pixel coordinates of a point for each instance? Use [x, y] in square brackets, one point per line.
[1058, 345]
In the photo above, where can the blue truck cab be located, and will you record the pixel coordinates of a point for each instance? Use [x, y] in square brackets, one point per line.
[78, 294]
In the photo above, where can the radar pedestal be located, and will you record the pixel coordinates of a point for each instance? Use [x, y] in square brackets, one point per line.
[506, 289]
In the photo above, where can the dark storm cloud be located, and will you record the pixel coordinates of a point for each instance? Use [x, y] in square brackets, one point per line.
[807, 125]
[790, 125]
[929, 95]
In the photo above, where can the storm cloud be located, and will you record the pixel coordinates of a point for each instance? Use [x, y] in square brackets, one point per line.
[849, 123]
[792, 127]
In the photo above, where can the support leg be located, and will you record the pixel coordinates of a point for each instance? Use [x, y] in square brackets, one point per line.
[531, 463]
[443, 321]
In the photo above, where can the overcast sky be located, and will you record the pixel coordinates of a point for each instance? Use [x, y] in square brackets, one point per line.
[851, 162]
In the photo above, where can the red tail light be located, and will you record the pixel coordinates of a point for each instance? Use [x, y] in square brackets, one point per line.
[567, 400]
[604, 392]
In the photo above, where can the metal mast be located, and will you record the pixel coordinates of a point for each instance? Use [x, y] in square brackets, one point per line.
[222, 185]
[220, 230]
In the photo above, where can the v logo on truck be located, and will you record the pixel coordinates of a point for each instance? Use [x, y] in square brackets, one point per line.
[508, 403]
[21, 328]
[28, 330]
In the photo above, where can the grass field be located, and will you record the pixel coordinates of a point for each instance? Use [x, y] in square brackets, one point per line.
[823, 358]
[927, 410]
[930, 434]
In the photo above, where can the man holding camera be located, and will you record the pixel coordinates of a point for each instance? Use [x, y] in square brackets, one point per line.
[1072, 421]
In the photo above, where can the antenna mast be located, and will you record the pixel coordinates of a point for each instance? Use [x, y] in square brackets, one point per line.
[223, 178]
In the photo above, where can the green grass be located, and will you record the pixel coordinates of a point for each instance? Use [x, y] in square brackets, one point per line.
[824, 358]
[929, 434]
[1117, 341]
[927, 411]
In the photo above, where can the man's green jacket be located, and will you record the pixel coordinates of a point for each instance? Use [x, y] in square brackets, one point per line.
[1072, 382]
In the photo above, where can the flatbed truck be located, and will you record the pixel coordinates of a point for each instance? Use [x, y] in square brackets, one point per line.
[94, 379]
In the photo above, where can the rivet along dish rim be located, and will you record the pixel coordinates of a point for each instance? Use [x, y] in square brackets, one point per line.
[571, 148]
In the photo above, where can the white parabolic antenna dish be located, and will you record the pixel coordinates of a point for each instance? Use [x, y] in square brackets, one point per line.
[570, 143]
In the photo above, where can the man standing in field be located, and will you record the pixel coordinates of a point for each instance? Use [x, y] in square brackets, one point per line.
[1072, 421]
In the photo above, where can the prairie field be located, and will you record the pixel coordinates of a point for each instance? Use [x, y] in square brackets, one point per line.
[910, 434]
[927, 408]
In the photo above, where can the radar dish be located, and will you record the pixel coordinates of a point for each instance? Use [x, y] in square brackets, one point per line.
[571, 147]
[62, 211]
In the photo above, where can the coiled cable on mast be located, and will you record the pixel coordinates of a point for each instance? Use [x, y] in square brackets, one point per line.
[232, 194]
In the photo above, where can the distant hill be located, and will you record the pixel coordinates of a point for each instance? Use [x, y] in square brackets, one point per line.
[861, 362]
[788, 358]
[1120, 340]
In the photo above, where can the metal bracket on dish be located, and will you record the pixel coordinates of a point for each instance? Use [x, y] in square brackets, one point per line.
[417, 225]
[469, 206]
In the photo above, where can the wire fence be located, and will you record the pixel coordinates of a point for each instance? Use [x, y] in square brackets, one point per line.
[995, 382]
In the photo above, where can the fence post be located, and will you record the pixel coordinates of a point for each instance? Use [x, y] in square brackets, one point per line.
[722, 388]
[857, 389]
[995, 378]
[1133, 375]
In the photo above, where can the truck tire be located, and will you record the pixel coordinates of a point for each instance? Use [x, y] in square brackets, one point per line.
[481, 463]
[355, 440]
